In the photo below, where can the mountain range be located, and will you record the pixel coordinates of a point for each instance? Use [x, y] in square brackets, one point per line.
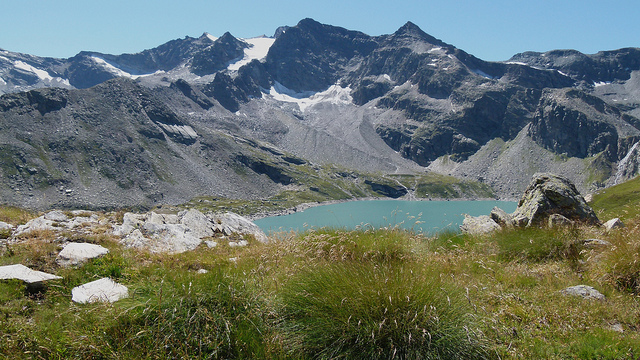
[248, 118]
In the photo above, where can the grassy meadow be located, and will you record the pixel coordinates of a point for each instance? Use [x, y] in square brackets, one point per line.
[329, 294]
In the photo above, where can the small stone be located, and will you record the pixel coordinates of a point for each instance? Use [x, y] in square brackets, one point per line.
[614, 223]
[583, 291]
[617, 327]
[105, 290]
[240, 243]
[202, 271]
[210, 244]
[593, 243]
[77, 253]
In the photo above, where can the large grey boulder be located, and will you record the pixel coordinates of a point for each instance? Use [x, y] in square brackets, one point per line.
[5, 226]
[549, 194]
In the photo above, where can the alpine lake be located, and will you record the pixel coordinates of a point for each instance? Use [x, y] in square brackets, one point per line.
[427, 217]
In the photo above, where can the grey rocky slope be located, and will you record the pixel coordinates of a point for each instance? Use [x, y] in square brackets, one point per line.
[187, 118]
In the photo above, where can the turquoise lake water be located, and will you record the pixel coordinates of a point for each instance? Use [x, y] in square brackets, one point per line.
[427, 217]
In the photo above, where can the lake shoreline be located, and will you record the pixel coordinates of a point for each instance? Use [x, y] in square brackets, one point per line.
[305, 206]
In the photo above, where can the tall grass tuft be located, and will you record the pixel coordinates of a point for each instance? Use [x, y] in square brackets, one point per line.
[376, 311]
[538, 244]
[619, 264]
[206, 317]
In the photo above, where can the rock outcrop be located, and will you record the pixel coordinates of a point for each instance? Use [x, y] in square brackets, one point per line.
[549, 194]
[185, 231]
[550, 200]
[56, 220]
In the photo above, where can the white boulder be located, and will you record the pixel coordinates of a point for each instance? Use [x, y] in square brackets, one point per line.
[104, 290]
[77, 253]
[25, 274]
[612, 224]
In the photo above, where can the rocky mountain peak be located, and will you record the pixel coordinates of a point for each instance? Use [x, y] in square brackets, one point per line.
[227, 38]
[413, 32]
[279, 31]
[217, 56]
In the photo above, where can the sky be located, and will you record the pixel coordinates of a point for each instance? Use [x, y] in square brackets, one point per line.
[490, 30]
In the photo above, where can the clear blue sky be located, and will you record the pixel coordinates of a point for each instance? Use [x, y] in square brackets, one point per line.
[490, 30]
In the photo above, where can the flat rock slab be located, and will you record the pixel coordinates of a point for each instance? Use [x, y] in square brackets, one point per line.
[77, 253]
[584, 291]
[104, 290]
[25, 274]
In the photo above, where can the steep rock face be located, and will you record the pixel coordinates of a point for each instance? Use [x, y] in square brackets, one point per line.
[217, 56]
[192, 93]
[113, 145]
[312, 56]
[629, 166]
[396, 103]
[601, 67]
[576, 124]
[164, 57]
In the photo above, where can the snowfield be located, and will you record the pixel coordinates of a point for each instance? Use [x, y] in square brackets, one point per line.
[335, 94]
[257, 50]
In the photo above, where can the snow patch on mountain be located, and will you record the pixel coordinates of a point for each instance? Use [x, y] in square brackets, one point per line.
[483, 74]
[211, 37]
[335, 94]
[41, 74]
[257, 50]
[117, 71]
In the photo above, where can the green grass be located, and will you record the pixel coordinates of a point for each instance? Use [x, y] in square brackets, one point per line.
[536, 244]
[334, 294]
[621, 201]
[14, 215]
[370, 311]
